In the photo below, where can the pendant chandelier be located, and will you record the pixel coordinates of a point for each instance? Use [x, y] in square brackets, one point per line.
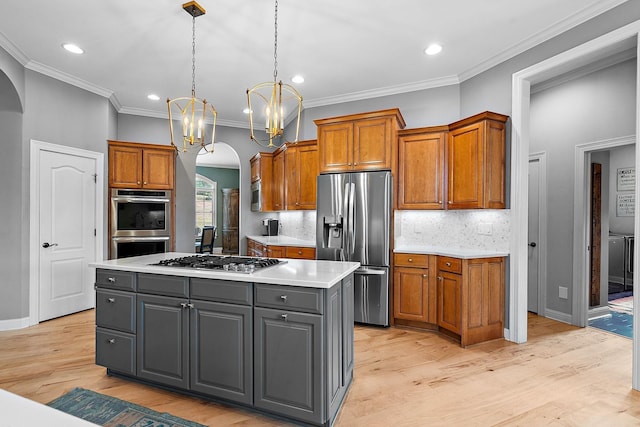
[272, 103]
[194, 113]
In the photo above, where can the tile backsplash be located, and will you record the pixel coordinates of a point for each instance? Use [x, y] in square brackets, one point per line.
[298, 224]
[487, 229]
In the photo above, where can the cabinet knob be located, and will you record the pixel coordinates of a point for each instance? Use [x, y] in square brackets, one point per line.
[183, 304]
[283, 298]
[190, 305]
[284, 317]
[299, 252]
[111, 300]
[111, 341]
[440, 202]
[111, 279]
[410, 259]
[440, 278]
[448, 264]
[138, 182]
[449, 202]
[424, 275]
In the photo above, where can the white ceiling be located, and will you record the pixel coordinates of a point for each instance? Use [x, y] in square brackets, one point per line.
[346, 50]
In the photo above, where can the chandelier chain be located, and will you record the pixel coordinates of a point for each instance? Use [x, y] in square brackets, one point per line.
[193, 57]
[275, 45]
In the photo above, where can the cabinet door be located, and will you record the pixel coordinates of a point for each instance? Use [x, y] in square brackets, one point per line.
[449, 301]
[307, 176]
[292, 178]
[222, 350]
[335, 348]
[421, 171]
[275, 252]
[372, 141]
[278, 181]
[255, 167]
[411, 294]
[162, 340]
[158, 169]
[335, 147]
[465, 153]
[125, 167]
[287, 364]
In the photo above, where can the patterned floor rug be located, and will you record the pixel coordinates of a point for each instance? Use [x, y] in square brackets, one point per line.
[615, 322]
[622, 305]
[111, 412]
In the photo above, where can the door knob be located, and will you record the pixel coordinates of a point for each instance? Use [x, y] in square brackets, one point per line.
[532, 244]
[47, 244]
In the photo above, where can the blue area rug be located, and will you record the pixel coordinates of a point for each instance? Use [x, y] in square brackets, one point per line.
[618, 323]
[111, 412]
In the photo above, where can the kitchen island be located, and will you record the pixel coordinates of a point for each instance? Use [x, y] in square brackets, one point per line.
[278, 340]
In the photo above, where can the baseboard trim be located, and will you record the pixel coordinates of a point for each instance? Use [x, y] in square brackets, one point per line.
[598, 312]
[558, 315]
[11, 324]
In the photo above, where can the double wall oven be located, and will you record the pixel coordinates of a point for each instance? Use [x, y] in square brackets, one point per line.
[140, 222]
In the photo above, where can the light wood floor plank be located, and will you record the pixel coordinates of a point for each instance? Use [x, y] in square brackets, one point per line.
[563, 376]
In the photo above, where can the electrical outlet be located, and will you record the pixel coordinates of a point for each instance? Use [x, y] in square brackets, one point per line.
[563, 292]
[485, 228]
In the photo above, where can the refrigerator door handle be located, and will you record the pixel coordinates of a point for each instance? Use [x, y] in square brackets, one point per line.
[352, 220]
[345, 224]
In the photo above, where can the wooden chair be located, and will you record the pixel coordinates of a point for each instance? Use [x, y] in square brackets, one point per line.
[208, 236]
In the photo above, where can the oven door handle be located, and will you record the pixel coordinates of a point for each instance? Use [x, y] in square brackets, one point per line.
[139, 200]
[140, 239]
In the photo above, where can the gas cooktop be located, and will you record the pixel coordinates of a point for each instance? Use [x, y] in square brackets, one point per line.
[236, 264]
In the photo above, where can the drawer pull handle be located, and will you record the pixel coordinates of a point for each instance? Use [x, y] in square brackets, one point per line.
[283, 298]
[111, 279]
[284, 317]
[111, 300]
[190, 305]
[448, 264]
[111, 341]
[183, 304]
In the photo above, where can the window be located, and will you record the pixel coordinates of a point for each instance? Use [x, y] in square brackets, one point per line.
[205, 203]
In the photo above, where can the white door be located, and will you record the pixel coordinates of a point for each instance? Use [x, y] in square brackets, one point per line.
[534, 236]
[67, 224]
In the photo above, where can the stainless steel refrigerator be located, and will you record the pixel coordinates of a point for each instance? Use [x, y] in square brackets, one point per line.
[353, 224]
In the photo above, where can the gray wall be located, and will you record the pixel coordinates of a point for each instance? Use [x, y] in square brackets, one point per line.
[596, 107]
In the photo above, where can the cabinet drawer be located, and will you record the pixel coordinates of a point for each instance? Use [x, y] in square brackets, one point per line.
[300, 252]
[123, 280]
[116, 350]
[452, 265]
[411, 260]
[222, 291]
[163, 285]
[289, 298]
[116, 310]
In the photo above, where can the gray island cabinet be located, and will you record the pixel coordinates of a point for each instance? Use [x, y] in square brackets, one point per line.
[279, 346]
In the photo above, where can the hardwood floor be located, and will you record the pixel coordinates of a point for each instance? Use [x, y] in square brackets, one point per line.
[564, 376]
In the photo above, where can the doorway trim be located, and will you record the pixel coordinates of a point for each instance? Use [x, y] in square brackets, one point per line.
[520, 117]
[581, 220]
[541, 158]
[34, 224]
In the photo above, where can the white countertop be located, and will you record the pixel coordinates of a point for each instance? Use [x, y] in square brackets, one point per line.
[464, 253]
[294, 272]
[18, 411]
[283, 241]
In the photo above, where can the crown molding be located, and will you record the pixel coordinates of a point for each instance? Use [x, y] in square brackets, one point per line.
[67, 78]
[13, 50]
[165, 116]
[550, 32]
[384, 91]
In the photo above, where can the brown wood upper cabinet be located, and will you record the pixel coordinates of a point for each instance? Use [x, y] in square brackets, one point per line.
[476, 162]
[421, 169]
[262, 175]
[135, 165]
[301, 171]
[358, 142]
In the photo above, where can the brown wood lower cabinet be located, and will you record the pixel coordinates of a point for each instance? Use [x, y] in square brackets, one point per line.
[258, 249]
[461, 298]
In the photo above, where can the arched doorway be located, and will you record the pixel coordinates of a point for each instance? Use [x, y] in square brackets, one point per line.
[220, 169]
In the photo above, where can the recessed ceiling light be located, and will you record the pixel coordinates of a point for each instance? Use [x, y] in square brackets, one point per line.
[153, 97]
[73, 48]
[433, 49]
[297, 79]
